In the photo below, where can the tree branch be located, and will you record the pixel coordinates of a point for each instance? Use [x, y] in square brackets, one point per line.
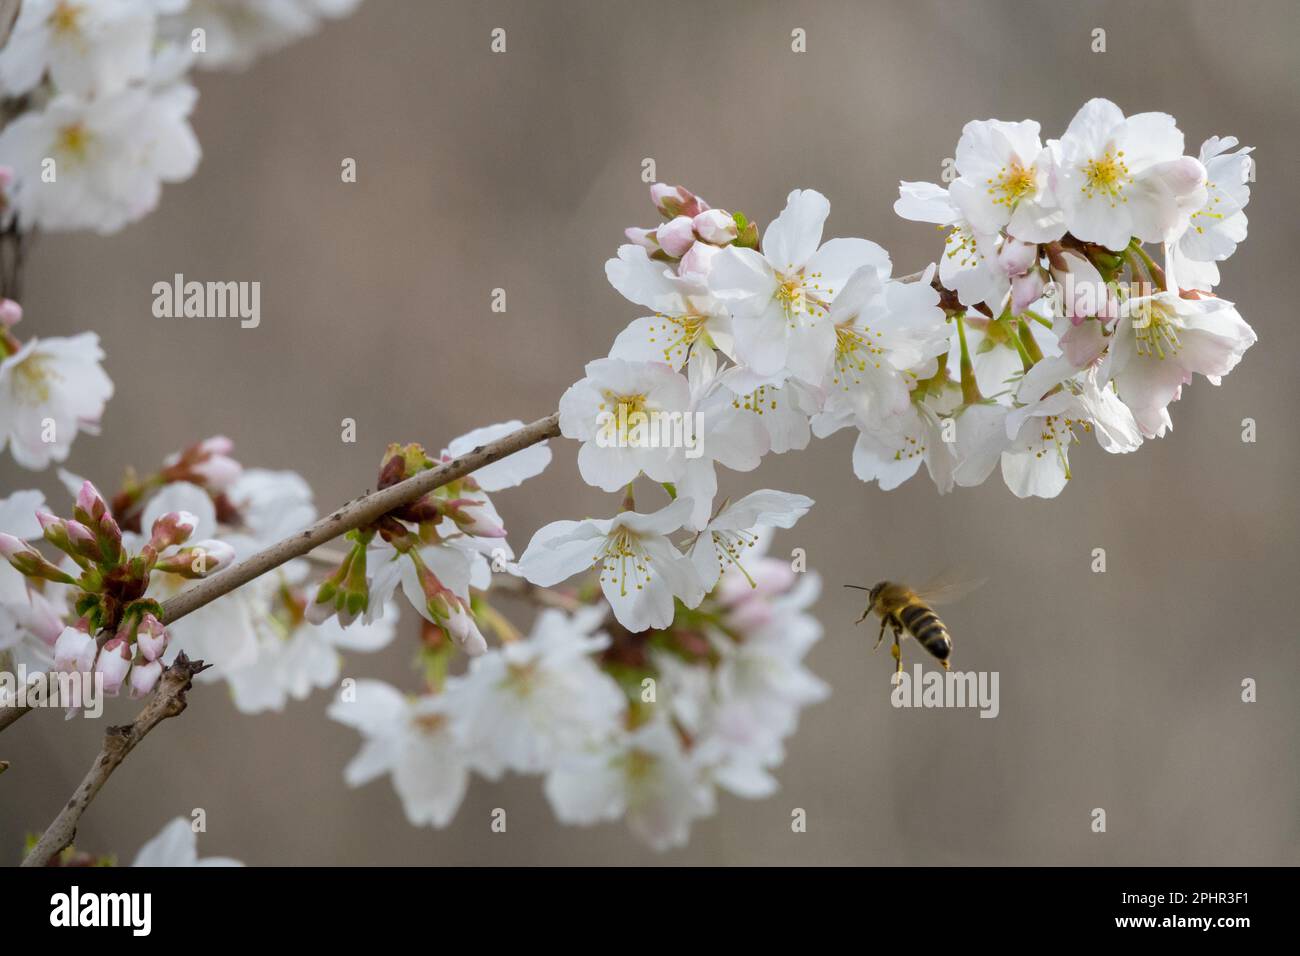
[168, 700]
[355, 514]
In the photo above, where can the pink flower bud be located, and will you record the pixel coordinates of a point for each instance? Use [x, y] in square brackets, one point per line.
[676, 236]
[74, 651]
[43, 619]
[752, 614]
[144, 677]
[1184, 175]
[318, 612]
[676, 201]
[198, 560]
[771, 578]
[11, 547]
[114, 662]
[48, 521]
[29, 562]
[109, 532]
[474, 518]
[151, 637]
[1083, 292]
[218, 472]
[11, 313]
[715, 226]
[698, 260]
[82, 538]
[464, 631]
[1015, 257]
[91, 501]
[645, 238]
[216, 445]
[173, 528]
[1025, 290]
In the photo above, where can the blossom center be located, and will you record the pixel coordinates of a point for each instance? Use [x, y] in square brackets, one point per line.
[1156, 330]
[1107, 176]
[638, 765]
[64, 18]
[757, 401]
[32, 379]
[1012, 183]
[73, 141]
[801, 295]
[429, 723]
[853, 351]
[1057, 431]
[624, 562]
[1208, 211]
[678, 333]
[961, 247]
[521, 678]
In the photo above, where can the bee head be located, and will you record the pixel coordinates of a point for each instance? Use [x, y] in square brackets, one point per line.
[875, 594]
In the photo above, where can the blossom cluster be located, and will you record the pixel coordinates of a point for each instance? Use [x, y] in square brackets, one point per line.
[641, 727]
[1070, 325]
[1045, 318]
[95, 107]
[107, 577]
[104, 104]
[203, 510]
[673, 667]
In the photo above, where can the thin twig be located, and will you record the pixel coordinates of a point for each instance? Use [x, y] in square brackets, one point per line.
[8, 714]
[355, 514]
[168, 700]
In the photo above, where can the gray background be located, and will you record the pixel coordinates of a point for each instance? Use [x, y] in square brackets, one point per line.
[1119, 690]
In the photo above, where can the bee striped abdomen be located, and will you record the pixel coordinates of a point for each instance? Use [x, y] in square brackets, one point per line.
[924, 625]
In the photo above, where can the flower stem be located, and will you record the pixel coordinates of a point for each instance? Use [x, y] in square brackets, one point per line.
[970, 390]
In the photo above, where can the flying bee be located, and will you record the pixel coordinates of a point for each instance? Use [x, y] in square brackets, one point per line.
[906, 611]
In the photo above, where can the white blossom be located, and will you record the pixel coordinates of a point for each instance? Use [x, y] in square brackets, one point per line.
[732, 532]
[1120, 178]
[523, 706]
[110, 156]
[641, 572]
[87, 47]
[177, 844]
[780, 298]
[411, 739]
[50, 389]
[237, 32]
[617, 412]
[643, 776]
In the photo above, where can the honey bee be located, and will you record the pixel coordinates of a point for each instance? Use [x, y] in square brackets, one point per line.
[906, 611]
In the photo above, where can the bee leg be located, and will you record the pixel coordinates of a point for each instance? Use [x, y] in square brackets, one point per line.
[864, 616]
[897, 651]
[881, 637]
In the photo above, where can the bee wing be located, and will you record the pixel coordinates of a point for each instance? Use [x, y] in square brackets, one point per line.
[948, 587]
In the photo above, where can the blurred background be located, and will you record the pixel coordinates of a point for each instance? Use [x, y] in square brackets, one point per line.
[519, 171]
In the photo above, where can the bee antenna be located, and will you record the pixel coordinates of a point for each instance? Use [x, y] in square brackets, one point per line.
[858, 587]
